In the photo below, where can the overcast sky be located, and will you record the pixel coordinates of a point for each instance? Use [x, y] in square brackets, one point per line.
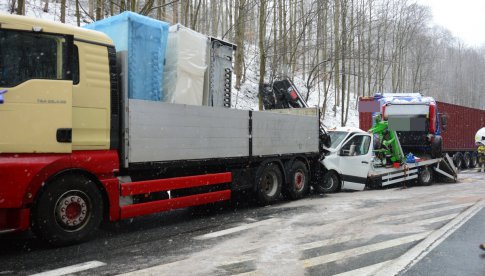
[464, 18]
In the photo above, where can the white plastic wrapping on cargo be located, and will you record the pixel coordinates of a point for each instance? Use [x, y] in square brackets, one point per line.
[186, 64]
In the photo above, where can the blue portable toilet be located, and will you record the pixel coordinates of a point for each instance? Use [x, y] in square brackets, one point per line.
[145, 40]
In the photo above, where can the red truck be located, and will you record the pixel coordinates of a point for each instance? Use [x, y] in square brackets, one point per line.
[454, 126]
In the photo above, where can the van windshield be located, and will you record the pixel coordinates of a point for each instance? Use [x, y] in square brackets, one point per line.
[336, 137]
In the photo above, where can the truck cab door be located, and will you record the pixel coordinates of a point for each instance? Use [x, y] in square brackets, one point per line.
[36, 80]
[355, 161]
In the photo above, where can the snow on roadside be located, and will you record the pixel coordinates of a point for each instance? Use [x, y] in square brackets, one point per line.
[247, 97]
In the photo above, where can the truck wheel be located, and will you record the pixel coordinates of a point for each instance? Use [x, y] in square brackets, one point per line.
[473, 160]
[458, 160]
[268, 181]
[425, 176]
[330, 183]
[466, 160]
[68, 210]
[298, 181]
[436, 147]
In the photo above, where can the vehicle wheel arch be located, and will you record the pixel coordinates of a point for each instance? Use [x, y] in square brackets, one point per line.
[339, 176]
[320, 189]
[82, 173]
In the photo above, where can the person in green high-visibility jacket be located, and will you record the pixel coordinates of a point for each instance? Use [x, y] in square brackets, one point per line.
[388, 139]
[480, 141]
[481, 158]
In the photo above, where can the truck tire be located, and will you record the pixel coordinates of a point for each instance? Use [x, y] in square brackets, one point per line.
[330, 184]
[298, 182]
[68, 210]
[473, 160]
[436, 147]
[269, 181]
[458, 160]
[466, 160]
[425, 176]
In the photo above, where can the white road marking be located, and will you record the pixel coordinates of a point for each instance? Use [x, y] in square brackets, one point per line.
[434, 220]
[415, 254]
[420, 213]
[330, 241]
[364, 271]
[236, 229]
[250, 273]
[154, 270]
[342, 239]
[353, 252]
[71, 269]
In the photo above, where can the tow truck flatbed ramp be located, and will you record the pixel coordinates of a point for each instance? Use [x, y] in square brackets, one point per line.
[409, 171]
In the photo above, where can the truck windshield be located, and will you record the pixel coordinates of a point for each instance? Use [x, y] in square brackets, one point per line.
[336, 137]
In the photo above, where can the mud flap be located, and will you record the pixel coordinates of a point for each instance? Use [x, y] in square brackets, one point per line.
[447, 168]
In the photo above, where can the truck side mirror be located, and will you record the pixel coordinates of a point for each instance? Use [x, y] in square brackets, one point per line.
[444, 120]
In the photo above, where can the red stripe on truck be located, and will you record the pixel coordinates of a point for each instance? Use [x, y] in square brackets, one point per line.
[174, 203]
[158, 185]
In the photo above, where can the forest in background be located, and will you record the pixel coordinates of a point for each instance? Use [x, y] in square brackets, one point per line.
[340, 48]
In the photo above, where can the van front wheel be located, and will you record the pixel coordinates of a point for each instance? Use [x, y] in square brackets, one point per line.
[330, 184]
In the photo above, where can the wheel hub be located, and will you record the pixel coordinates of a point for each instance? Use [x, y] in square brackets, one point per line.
[270, 184]
[425, 176]
[328, 183]
[72, 210]
[299, 180]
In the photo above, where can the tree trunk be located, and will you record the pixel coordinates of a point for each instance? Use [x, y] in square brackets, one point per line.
[343, 53]
[46, 6]
[195, 16]
[20, 7]
[91, 8]
[239, 39]
[262, 54]
[336, 55]
[369, 49]
[99, 4]
[78, 14]
[122, 6]
[175, 16]
[63, 11]
[214, 16]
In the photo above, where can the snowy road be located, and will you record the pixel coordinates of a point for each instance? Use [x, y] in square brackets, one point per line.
[350, 233]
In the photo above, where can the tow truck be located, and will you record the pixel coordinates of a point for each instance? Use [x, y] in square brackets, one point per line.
[356, 160]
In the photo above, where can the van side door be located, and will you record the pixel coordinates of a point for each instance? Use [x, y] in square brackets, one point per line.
[355, 161]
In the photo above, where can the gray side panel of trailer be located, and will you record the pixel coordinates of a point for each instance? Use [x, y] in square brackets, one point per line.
[284, 134]
[168, 132]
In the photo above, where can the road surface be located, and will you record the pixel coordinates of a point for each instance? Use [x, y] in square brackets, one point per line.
[407, 231]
